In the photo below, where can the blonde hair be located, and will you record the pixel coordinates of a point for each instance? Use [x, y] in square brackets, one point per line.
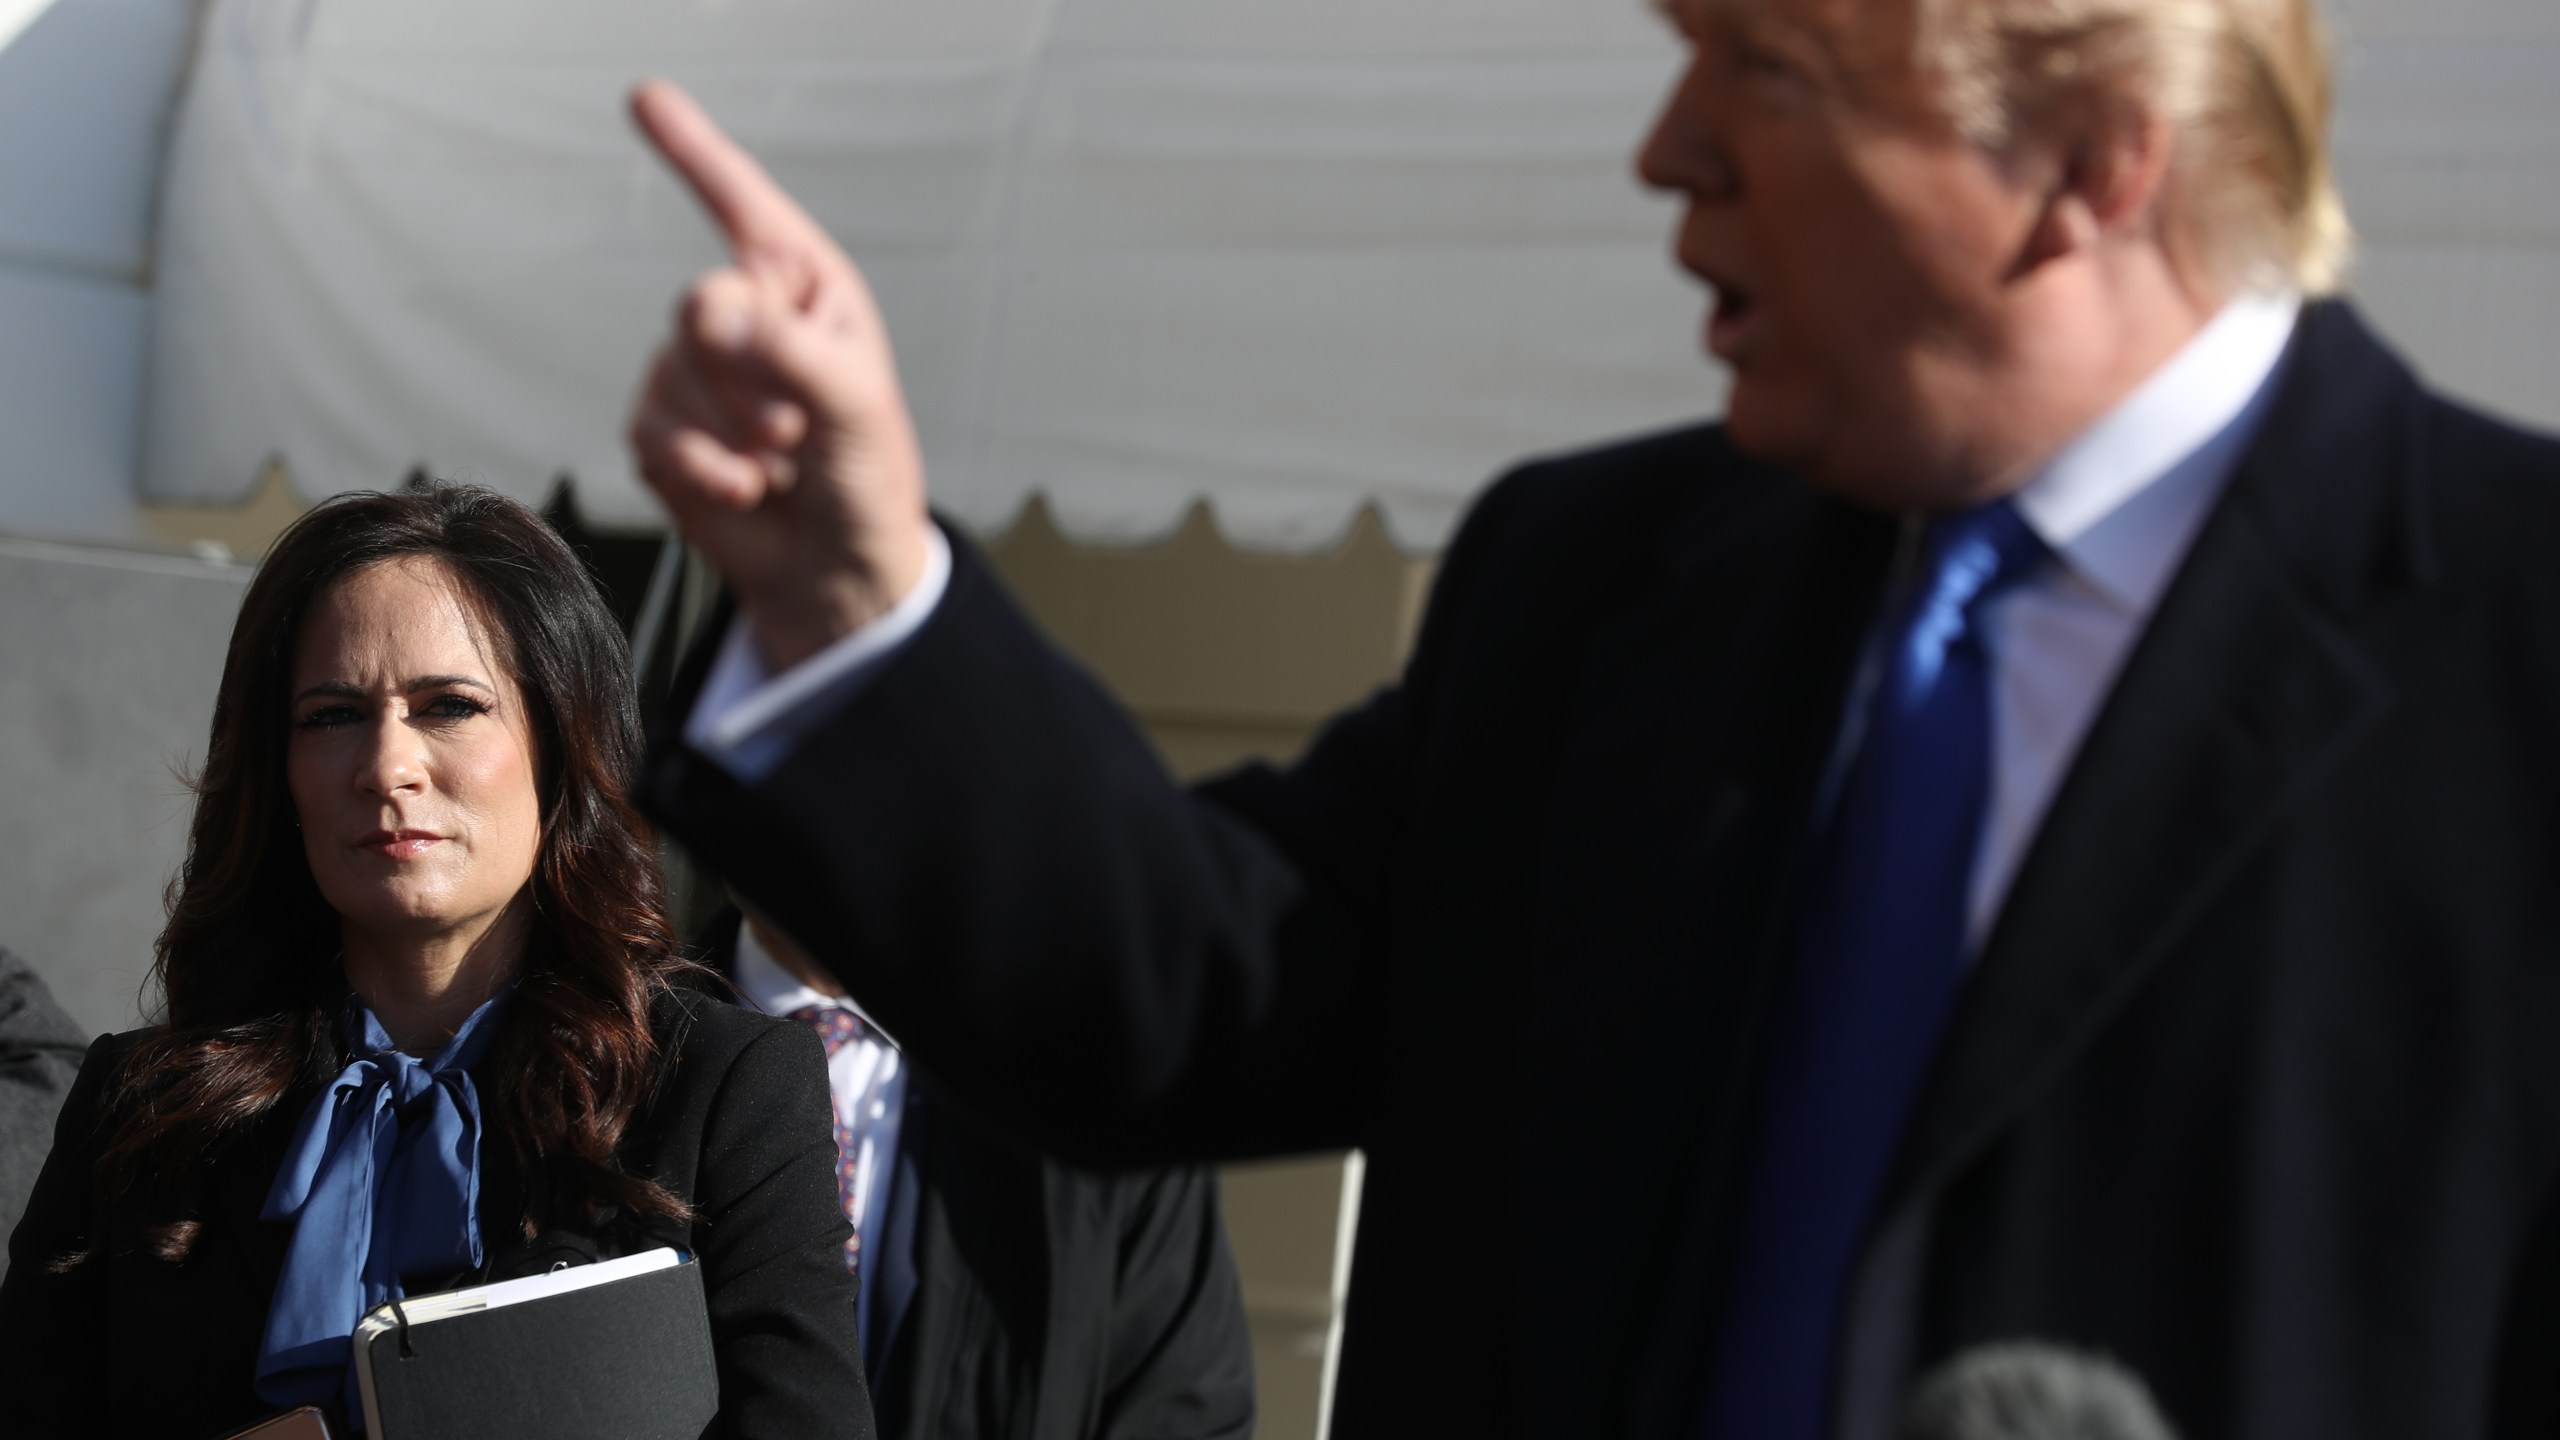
[2243, 84]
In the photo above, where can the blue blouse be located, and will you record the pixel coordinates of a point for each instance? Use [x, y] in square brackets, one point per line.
[382, 1180]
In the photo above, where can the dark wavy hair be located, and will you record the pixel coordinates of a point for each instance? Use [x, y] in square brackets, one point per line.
[248, 969]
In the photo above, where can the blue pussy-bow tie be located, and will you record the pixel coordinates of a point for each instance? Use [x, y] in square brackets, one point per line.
[382, 1180]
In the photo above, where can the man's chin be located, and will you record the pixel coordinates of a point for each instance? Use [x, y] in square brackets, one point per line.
[1765, 429]
[1799, 444]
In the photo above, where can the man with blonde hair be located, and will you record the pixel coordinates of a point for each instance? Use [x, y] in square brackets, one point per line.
[2034, 828]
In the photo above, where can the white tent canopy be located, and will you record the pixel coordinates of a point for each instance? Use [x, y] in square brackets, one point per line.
[85, 91]
[1289, 258]
[1292, 258]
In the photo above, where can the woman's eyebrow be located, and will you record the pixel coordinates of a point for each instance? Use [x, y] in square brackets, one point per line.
[344, 689]
[331, 687]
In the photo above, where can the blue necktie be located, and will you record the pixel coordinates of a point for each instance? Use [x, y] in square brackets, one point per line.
[1879, 959]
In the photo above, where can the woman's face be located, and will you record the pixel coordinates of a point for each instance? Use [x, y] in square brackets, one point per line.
[410, 761]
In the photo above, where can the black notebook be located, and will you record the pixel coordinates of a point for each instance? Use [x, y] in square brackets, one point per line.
[619, 1350]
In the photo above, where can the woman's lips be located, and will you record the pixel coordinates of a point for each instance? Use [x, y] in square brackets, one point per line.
[400, 844]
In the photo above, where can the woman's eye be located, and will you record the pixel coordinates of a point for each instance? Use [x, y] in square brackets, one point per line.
[327, 718]
[453, 707]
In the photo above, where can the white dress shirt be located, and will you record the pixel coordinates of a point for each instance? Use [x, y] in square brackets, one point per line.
[2118, 507]
[858, 1074]
[747, 717]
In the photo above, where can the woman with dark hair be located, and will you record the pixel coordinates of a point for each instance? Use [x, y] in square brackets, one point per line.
[425, 1021]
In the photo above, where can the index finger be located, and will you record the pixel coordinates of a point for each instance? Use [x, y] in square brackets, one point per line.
[758, 216]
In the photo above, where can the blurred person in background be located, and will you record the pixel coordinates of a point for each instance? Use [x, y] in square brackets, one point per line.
[1004, 1293]
[39, 1054]
[2037, 826]
[426, 1022]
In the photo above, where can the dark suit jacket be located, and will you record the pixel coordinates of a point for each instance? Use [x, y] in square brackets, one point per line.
[1054, 1303]
[2254, 1085]
[126, 1345]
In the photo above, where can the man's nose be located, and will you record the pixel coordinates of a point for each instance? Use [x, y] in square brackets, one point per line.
[1682, 151]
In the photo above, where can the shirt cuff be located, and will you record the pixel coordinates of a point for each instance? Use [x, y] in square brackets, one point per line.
[748, 719]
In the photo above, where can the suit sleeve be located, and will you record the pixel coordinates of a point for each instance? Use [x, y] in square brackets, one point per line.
[1181, 1361]
[989, 854]
[40, 1051]
[53, 1326]
[770, 1238]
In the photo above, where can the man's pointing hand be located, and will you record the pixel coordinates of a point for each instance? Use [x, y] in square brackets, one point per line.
[771, 423]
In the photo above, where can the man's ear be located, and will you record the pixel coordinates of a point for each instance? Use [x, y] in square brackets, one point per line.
[2109, 168]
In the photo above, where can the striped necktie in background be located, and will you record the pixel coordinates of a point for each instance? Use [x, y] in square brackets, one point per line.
[838, 1027]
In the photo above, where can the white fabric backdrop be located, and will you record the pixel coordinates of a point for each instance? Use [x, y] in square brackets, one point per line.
[1287, 255]
[85, 92]
[1293, 256]
[2449, 142]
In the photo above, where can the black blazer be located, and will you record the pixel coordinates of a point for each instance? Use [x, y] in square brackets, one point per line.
[2254, 1085]
[1053, 1303]
[126, 1345]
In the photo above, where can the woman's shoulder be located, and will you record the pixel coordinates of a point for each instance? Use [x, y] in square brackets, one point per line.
[710, 1042]
[728, 1074]
[81, 1122]
[106, 1056]
[696, 1020]
[119, 1044]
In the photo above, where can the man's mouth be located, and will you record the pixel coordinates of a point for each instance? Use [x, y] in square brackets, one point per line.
[1729, 328]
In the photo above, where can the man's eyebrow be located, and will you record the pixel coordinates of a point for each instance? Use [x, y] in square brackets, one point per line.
[344, 690]
[1733, 16]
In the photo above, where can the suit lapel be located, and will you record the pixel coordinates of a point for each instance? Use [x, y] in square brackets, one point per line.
[980, 1210]
[1690, 745]
[2248, 688]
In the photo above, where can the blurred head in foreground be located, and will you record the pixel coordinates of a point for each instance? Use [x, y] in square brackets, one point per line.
[2023, 1390]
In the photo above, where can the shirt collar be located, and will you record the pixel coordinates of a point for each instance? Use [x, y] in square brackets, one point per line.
[776, 991]
[462, 1050]
[2121, 502]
